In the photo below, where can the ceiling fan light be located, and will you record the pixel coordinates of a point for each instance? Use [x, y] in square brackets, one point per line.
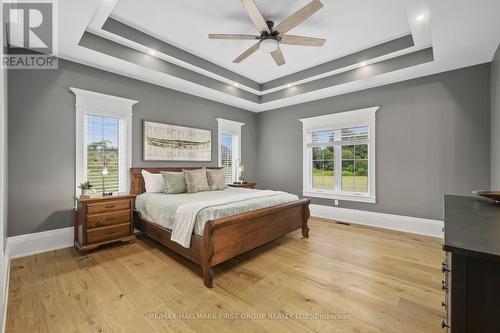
[268, 45]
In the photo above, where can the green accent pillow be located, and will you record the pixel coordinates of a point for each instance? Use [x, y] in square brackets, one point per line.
[175, 182]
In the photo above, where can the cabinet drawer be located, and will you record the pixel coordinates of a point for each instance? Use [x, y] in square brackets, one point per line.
[109, 206]
[106, 233]
[101, 220]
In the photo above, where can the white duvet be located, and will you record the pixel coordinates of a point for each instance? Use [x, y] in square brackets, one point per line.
[185, 215]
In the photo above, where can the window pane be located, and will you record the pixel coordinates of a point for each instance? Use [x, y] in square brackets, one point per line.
[348, 175]
[317, 176]
[322, 137]
[347, 152]
[361, 152]
[328, 175]
[354, 133]
[361, 174]
[328, 153]
[317, 153]
[227, 157]
[102, 151]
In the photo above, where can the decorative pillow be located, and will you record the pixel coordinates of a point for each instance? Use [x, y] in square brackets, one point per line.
[216, 179]
[175, 182]
[196, 180]
[153, 182]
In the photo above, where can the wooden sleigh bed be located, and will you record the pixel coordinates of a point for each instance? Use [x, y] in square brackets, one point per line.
[227, 237]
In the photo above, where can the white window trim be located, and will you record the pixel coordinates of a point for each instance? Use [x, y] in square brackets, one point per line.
[234, 128]
[355, 118]
[90, 102]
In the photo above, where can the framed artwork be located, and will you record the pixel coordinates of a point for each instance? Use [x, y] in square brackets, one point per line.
[165, 142]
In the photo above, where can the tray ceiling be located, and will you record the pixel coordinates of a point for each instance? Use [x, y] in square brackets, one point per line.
[347, 25]
[369, 43]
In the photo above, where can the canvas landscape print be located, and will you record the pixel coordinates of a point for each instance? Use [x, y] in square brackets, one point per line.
[164, 142]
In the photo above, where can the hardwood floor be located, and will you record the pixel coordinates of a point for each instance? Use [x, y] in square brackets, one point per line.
[374, 280]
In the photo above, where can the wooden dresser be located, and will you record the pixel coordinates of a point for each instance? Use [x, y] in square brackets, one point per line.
[103, 220]
[471, 282]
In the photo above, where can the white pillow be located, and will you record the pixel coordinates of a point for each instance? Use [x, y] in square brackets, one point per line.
[153, 182]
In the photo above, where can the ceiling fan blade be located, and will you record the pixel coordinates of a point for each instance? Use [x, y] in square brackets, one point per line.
[298, 17]
[233, 36]
[302, 41]
[278, 57]
[255, 15]
[246, 54]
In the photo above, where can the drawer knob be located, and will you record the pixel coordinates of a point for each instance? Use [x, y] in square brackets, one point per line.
[444, 268]
[444, 285]
[444, 305]
[444, 325]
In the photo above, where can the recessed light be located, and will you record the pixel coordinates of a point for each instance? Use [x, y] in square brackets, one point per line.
[420, 17]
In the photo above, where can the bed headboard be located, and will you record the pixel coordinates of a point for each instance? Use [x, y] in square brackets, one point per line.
[137, 181]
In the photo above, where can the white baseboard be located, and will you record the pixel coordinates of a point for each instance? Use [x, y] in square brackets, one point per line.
[26, 245]
[409, 224]
[5, 282]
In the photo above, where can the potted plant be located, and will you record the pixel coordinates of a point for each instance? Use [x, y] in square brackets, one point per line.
[85, 187]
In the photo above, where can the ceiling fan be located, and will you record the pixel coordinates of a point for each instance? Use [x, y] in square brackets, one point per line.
[270, 36]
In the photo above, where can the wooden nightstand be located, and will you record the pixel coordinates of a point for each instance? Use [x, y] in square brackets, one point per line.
[103, 220]
[244, 185]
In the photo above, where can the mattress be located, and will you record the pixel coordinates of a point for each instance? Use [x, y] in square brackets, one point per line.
[160, 208]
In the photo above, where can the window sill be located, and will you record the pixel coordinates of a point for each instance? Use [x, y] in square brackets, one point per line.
[338, 196]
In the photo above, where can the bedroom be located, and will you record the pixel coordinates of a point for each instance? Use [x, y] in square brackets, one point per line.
[247, 165]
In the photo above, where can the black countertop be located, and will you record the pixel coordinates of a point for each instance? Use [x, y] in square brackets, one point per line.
[472, 226]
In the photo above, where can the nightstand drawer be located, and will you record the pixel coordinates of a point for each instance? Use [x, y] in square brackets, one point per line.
[101, 220]
[106, 233]
[108, 206]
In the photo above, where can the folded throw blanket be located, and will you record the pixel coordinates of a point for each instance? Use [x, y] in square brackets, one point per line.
[185, 215]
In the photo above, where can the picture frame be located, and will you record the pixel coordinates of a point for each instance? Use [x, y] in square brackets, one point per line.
[169, 142]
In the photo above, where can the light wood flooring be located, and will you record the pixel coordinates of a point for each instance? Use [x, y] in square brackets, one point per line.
[375, 280]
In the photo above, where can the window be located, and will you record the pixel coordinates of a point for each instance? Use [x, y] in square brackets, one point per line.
[103, 141]
[339, 156]
[230, 148]
[103, 138]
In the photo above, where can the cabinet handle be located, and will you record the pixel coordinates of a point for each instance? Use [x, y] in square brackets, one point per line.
[109, 232]
[444, 268]
[444, 325]
[444, 285]
[110, 206]
[110, 218]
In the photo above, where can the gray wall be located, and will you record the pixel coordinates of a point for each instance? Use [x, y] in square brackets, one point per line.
[3, 160]
[433, 137]
[42, 136]
[495, 121]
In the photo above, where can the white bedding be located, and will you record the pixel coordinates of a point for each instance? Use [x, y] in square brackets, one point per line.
[161, 208]
[185, 215]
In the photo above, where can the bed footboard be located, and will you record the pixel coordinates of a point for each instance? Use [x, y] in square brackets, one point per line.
[228, 237]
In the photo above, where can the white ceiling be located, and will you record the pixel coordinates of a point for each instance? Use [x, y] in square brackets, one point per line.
[347, 25]
[462, 32]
